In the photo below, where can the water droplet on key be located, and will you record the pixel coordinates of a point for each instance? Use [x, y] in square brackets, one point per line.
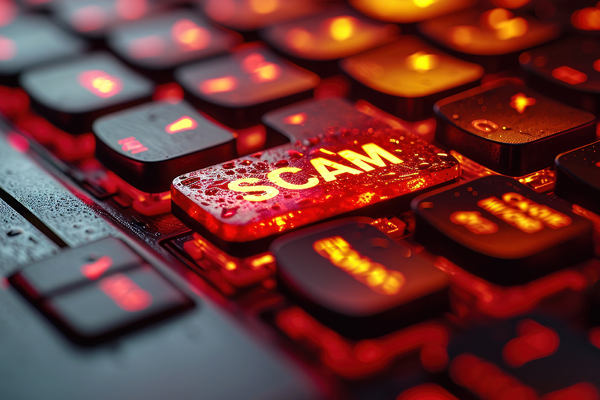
[228, 213]
[281, 163]
[295, 154]
[229, 165]
[423, 166]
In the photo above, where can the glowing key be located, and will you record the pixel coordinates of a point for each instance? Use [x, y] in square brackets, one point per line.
[409, 11]
[295, 119]
[342, 28]
[189, 35]
[184, 123]
[520, 102]
[569, 75]
[100, 83]
[422, 62]
[218, 85]
[96, 269]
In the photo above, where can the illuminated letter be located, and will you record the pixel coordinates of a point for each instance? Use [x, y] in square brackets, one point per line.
[321, 165]
[374, 154]
[274, 176]
[270, 192]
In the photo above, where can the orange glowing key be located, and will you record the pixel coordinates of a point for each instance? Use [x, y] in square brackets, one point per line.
[336, 33]
[183, 124]
[100, 83]
[409, 11]
[250, 200]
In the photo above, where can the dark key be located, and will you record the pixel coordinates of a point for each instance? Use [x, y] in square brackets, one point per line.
[74, 267]
[30, 41]
[357, 280]
[149, 145]
[93, 18]
[245, 15]
[161, 43]
[245, 84]
[314, 117]
[74, 93]
[114, 304]
[493, 38]
[568, 70]
[511, 129]
[407, 77]
[407, 12]
[534, 357]
[317, 41]
[502, 231]
[243, 204]
[578, 176]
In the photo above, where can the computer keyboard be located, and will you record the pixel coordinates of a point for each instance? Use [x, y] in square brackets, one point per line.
[284, 199]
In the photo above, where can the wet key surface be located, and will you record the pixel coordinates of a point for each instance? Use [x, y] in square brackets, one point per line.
[357, 280]
[286, 187]
[149, 145]
[501, 230]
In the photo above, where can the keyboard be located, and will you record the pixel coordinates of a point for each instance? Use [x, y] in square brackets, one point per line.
[299, 199]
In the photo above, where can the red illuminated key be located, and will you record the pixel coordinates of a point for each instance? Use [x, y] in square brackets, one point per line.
[336, 33]
[409, 11]
[116, 303]
[75, 267]
[502, 231]
[492, 38]
[248, 15]
[248, 201]
[357, 280]
[406, 77]
[568, 70]
[30, 41]
[74, 93]
[93, 18]
[161, 43]
[149, 145]
[427, 391]
[248, 82]
[511, 129]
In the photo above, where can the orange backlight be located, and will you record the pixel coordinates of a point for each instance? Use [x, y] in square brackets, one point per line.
[125, 293]
[299, 38]
[100, 83]
[534, 341]
[96, 269]
[296, 119]
[569, 75]
[260, 70]
[219, 85]
[342, 28]
[474, 221]
[8, 48]
[422, 62]
[587, 19]
[264, 6]
[189, 35]
[363, 269]
[184, 123]
[504, 25]
[520, 102]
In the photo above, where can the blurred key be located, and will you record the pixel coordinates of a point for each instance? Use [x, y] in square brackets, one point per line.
[161, 43]
[8, 12]
[74, 93]
[354, 278]
[248, 15]
[426, 391]
[316, 42]
[238, 88]
[317, 117]
[149, 145]
[114, 304]
[31, 41]
[409, 11]
[406, 77]
[510, 128]
[243, 204]
[492, 38]
[77, 266]
[568, 70]
[92, 18]
[578, 176]
[502, 231]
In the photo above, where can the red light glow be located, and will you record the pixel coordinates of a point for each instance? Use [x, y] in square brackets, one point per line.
[295, 119]
[520, 102]
[184, 123]
[89, 18]
[132, 145]
[569, 75]
[427, 391]
[100, 83]
[125, 293]
[8, 12]
[131, 9]
[8, 48]
[169, 92]
[535, 341]
[260, 70]
[219, 85]
[189, 35]
[96, 269]
[147, 47]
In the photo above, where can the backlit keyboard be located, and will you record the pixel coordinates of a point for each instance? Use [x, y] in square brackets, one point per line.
[299, 199]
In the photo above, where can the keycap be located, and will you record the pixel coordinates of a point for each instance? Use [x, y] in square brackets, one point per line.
[407, 12]
[248, 15]
[160, 43]
[76, 267]
[567, 70]
[314, 117]
[114, 304]
[31, 41]
[406, 77]
[242, 204]
[317, 41]
[73, 93]
[149, 145]
[9, 10]
[355, 279]
[92, 18]
[493, 38]
[511, 129]
[247, 83]
[534, 356]
[501, 230]
[577, 178]
[426, 391]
